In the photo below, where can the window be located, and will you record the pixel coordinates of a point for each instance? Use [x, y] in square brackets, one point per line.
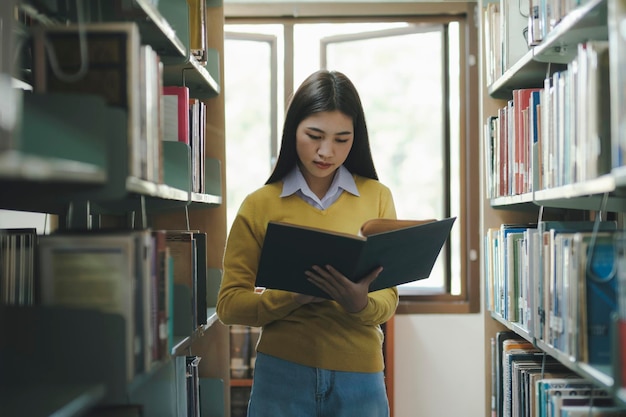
[411, 75]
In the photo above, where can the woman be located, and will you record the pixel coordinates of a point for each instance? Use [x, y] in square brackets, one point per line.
[315, 357]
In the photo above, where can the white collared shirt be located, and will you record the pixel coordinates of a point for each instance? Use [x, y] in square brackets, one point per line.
[294, 183]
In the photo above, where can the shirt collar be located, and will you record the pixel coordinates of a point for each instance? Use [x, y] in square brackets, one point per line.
[295, 181]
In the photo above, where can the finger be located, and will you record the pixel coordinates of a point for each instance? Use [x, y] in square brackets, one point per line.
[339, 278]
[331, 276]
[318, 280]
[369, 278]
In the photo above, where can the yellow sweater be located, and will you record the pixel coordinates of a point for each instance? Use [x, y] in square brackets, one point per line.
[321, 335]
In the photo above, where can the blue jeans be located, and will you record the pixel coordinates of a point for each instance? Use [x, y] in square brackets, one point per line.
[286, 389]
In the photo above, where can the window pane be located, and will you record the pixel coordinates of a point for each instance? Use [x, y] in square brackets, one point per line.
[400, 82]
[455, 152]
[248, 116]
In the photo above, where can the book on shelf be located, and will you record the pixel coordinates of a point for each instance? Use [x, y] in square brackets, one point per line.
[104, 60]
[522, 138]
[509, 139]
[197, 141]
[504, 170]
[105, 272]
[150, 88]
[144, 297]
[550, 370]
[190, 270]
[491, 31]
[597, 297]
[547, 388]
[491, 265]
[490, 148]
[182, 247]
[198, 30]
[176, 113]
[506, 266]
[513, 238]
[193, 385]
[407, 251]
[592, 411]
[566, 311]
[617, 50]
[593, 110]
[201, 277]
[549, 281]
[10, 104]
[576, 141]
[582, 399]
[620, 265]
[163, 293]
[514, 351]
[17, 258]
[534, 35]
[513, 24]
[530, 281]
[534, 125]
[546, 143]
[524, 373]
[497, 369]
[517, 364]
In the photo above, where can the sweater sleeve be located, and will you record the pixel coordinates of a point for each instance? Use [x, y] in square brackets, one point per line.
[237, 302]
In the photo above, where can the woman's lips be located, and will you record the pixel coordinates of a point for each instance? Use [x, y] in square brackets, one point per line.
[322, 165]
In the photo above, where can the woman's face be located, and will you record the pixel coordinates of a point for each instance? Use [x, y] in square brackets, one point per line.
[323, 141]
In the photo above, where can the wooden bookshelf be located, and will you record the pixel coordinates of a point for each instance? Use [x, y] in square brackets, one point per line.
[70, 155]
[575, 197]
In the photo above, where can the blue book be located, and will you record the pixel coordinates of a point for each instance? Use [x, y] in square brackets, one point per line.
[545, 285]
[600, 299]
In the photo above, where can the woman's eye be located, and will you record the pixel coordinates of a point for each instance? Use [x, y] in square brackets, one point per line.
[314, 137]
[342, 140]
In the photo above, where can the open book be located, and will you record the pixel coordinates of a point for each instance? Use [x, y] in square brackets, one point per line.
[406, 249]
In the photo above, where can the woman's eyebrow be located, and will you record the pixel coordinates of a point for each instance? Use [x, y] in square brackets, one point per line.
[317, 129]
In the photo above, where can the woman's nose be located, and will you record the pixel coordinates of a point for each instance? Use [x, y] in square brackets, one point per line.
[325, 149]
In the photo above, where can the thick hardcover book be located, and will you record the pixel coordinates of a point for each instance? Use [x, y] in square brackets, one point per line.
[407, 253]
[201, 277]
[98, 272]
[183, 250]
[105, 62]
[17, 255]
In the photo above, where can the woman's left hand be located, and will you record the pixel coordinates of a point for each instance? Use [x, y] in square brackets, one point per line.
[352, 296]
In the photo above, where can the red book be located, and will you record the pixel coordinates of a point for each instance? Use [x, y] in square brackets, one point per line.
[176, 113]
[521, 101]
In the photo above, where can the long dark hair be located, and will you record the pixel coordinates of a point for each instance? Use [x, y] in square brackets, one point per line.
[325, 91]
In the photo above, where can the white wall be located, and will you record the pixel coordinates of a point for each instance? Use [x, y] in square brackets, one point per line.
[439, 366]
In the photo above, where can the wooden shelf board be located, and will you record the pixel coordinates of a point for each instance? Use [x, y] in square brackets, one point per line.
[244, 382]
